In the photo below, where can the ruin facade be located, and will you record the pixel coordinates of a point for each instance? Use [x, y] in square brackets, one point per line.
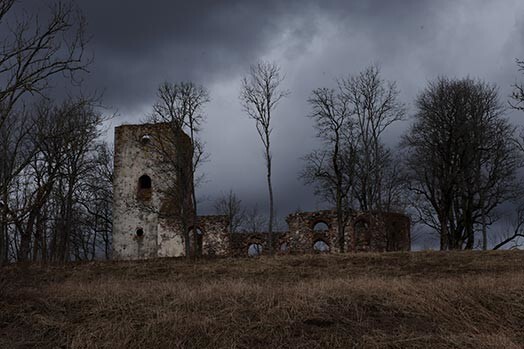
[147, 223]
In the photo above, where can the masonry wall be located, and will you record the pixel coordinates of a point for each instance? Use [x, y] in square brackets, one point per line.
[145, 223]
[364, 232]
[131, 211]
[215, 235]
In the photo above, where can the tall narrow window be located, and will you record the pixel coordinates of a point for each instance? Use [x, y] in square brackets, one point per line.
[144, 188]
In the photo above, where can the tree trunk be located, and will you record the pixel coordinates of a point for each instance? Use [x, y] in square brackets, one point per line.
[3, 239]
[341, 230]
[444, 234]
[25, 237]
[196, 244]
[3, 230]
[65, 233]
[271, 210]
[340, 217]
[27, 233]
[484, 230]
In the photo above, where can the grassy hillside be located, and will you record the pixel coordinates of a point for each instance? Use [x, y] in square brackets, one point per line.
[393, 300]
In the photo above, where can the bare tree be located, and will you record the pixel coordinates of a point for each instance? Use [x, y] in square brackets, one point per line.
[64, 137]
[353, 164]
[32, 53]
[461, 159]
[375, 106]
[331, 168]
[42, 205]
[180, 107]
[35, 51]
[82, 122]
[16, 152]
[260, 94]
[229, 205]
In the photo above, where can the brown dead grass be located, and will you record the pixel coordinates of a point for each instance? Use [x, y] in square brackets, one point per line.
[392, 300]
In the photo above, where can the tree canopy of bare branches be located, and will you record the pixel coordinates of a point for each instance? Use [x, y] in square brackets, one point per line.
[461, 159]
[38, 49]
[260, 94]
[353, 165]
[35, 51]
[375, 106]
[45, 205]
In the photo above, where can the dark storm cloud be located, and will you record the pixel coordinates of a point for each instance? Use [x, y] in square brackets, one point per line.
[137, 46]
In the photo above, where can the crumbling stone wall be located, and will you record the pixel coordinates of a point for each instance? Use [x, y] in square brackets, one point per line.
[376, 232]
[302, 235]
[215, 235]
[240, 242]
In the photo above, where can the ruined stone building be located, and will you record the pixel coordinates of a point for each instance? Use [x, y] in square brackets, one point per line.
[147, 222]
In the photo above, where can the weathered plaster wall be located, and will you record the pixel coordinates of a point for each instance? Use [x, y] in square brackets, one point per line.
[137, 155]
[170, 240]
[132, 160]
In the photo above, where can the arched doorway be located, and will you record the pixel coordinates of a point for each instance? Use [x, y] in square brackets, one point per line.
[254, 249]
[320, 246]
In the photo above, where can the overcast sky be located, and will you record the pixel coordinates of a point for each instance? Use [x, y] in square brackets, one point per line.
[138, 46]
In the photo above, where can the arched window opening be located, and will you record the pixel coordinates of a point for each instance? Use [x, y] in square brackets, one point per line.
[254, 250]
[145, 139]
[144, 188]
[320, 227]
[320, 246]
[144, 182]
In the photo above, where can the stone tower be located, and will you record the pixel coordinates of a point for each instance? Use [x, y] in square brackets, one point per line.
[140, 223]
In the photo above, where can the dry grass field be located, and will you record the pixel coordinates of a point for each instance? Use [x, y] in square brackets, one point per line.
[392, 300]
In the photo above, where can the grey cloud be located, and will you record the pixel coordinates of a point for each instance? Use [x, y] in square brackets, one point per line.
[139, 46]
